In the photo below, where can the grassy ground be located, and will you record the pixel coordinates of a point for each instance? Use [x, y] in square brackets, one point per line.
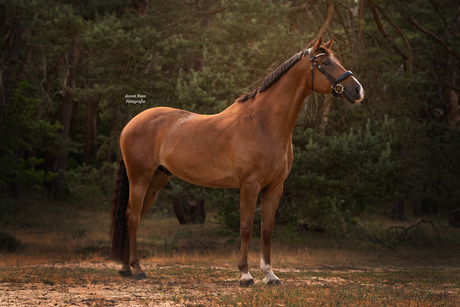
[63, 260]
[97, 284]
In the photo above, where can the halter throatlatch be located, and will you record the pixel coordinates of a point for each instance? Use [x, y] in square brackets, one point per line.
[337, 88]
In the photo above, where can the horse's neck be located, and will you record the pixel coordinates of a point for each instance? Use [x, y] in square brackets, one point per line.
[282, 102]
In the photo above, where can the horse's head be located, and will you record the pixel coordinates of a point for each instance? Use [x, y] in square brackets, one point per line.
[327, 73]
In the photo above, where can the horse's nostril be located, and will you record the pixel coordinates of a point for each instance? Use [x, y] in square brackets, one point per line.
[359, 96]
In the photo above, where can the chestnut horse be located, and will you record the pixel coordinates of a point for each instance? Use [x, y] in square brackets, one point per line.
[246, 146]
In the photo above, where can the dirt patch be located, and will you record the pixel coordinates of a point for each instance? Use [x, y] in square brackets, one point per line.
[98, 284]
[112, 293]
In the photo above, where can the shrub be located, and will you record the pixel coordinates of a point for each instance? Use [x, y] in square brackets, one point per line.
[24, 138]
[8, 242]
[87, 181]
[335, 178]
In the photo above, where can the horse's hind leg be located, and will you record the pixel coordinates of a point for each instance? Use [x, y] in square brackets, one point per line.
[137, 191]
[158, 182]
[135, 213]
[270, 199]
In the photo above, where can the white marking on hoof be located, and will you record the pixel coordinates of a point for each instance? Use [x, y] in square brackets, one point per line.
[246, 276]
[270, 277]
[246, 279]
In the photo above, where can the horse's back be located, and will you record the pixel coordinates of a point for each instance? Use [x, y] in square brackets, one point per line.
[141, 138]
[219, 150]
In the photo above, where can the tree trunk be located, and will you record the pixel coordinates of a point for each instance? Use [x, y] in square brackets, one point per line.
[324, 113]
[450, 94]
[397, 213]
[89, 131]
[57, 186]
[454, 214]
[12, 46]
[188, 212]
[417, 208]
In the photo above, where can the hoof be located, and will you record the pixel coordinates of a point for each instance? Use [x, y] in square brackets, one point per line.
[140, 276]
[274, 282]
[246, 282]
[126, 273]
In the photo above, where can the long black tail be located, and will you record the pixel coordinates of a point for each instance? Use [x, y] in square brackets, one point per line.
[119, 228]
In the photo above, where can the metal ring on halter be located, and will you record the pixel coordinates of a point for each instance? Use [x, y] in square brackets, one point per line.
[342, 89]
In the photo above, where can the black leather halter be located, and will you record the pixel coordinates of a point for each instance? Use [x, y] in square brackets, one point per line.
[337, 88]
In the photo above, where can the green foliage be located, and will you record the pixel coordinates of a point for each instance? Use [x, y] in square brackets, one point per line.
[201, 56]
[8, 243]
[6, 208]
[337, 177]
[347, 167]
[24, 135]
[85, 182]
[227, 203]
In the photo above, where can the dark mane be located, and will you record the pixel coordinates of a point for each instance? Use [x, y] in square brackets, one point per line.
[273, 77]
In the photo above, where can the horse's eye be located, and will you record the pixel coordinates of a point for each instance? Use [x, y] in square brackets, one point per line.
[327, 62]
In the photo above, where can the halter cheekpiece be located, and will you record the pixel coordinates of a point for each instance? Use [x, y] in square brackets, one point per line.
[337, 88]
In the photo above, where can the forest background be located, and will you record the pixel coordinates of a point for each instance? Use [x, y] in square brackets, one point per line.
[68, 66]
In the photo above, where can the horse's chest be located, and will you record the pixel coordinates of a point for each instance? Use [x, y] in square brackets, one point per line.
[273, 159]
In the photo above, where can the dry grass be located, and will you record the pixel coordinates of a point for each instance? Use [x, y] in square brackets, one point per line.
[64, 260]
[97, 284]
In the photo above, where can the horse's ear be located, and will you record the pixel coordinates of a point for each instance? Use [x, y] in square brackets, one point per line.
[329, 44]
[317, 44]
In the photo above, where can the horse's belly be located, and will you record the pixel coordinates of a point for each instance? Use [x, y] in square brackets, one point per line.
[209, 174]
[215, 182]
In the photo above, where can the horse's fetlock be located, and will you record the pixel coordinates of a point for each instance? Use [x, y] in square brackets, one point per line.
[243, 266]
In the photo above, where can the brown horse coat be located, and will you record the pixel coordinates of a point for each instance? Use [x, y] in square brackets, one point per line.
[246, 146]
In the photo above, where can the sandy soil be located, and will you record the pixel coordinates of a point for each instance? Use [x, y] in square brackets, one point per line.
[102, 290]
[98, 284]
[92, 291]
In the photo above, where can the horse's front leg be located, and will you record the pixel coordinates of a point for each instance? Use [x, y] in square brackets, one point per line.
[270, 198]
[248, 201]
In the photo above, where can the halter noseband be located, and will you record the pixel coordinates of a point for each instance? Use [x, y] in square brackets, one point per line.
[335, 84]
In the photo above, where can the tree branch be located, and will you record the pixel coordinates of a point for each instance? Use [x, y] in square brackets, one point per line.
[330, 11]
[446, 25]
[433, 36]
[361, 9]
[386, 35]
[398, 29]
[404, 230]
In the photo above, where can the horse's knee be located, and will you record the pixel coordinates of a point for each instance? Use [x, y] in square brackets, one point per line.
[245, 231]
[267, 233]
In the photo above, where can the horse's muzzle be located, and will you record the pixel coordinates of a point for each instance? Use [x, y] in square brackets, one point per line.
[353, 94]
